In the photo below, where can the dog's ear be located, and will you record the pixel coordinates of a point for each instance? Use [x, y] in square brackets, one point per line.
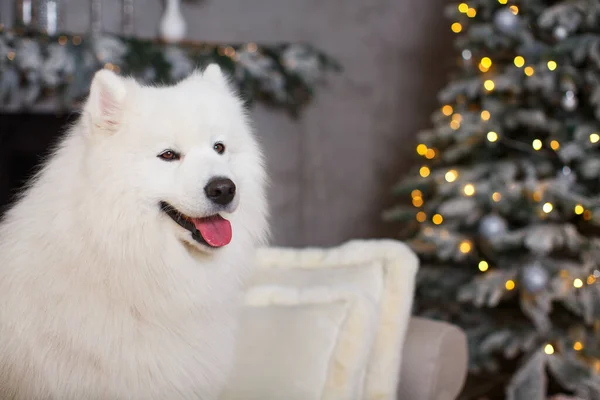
[106, 100]
[213, 74]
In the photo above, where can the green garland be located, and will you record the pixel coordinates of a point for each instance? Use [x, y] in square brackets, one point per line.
[39, 72]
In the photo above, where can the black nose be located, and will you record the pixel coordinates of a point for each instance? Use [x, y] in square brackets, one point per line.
[220, 190]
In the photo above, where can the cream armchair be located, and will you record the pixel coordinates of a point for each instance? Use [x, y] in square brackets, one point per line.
[335, 324]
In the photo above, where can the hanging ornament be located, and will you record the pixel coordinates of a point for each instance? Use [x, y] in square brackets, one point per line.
[534, 277]
[506, 21]
[172, 24]
[569, 101]
[560, 33]
[47, 15]
[492, 225]
[466, 56]
[566, 178]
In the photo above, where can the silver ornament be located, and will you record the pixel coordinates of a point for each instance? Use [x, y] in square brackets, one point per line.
[534, 277]
[560, 32]
[492, 225]
[466, 54]
[569, 101]
[566, 179]
[506, 21]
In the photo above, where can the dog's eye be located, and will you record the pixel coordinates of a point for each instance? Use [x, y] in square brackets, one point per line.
[219, 148]
[169, 155]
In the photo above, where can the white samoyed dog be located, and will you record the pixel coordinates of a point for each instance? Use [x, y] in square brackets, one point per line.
[122, 263]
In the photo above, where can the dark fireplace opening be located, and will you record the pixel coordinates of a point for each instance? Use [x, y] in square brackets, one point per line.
[25, 139]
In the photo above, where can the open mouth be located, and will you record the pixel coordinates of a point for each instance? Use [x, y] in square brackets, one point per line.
[213, 231]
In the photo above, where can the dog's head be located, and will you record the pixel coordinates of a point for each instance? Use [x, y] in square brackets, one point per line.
[185, 153]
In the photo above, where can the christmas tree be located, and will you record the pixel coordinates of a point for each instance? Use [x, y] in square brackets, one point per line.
[505, 211]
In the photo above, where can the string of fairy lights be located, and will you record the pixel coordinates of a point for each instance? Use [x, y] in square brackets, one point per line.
[469, 189]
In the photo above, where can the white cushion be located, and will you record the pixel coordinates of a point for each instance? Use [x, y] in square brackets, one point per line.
[325, 323]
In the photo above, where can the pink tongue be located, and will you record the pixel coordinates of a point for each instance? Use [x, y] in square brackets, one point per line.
[216, 230]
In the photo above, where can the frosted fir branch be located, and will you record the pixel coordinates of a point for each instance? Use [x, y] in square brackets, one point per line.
[444, 243]
[530, 380]
[531, 118]
[554, 189]
[483, 37]
[568, 198]
[407, 185]
[520, 146]
[562, 193]
[537, 308]
[399, 213]
[590, 168]
[422, 247]
[55, 71]
[459, 207]
[471, 87]
[578, 14]
[460, 151]
[579, 48]
[496, 334]
[544, 238]
[510, 341]
[439, 282]
[574, 375]
[426, 136]
[489, 289]
[496, 341]
[511, 240]
[584, 302]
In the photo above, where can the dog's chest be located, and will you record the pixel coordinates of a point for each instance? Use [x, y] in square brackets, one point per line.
[173, 357]
[166, 350]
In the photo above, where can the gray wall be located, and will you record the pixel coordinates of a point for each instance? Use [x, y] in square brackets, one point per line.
[331, 170]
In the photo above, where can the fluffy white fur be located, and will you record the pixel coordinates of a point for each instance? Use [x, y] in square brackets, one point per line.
[103, 296]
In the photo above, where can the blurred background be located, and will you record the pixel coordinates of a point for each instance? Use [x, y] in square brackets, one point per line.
[469, 130]
[331, 169]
